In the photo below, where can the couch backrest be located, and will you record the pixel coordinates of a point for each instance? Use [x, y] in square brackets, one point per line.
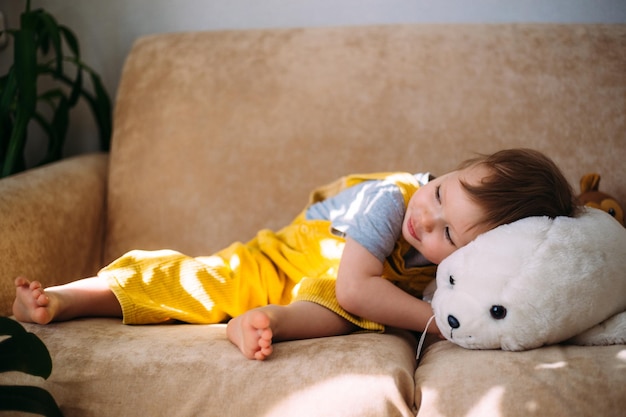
[219, 134]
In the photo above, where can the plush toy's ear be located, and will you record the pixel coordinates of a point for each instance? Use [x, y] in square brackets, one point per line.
[591, 196]
[589, 182]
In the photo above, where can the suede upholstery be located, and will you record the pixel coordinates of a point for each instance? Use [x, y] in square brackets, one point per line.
[219, 134]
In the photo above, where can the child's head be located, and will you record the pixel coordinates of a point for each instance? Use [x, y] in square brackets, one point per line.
[483, 193]
[519, 183]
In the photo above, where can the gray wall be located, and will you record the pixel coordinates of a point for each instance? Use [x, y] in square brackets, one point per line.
[107, 29]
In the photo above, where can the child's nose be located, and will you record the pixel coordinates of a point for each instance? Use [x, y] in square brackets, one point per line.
[428, 221]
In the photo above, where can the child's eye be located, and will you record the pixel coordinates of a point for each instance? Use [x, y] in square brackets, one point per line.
[437, 193]
[449, 237]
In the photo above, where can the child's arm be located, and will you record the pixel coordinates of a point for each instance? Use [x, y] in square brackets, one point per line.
[362, 291]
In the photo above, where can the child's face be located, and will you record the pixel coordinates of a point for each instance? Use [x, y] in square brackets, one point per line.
[441, 217]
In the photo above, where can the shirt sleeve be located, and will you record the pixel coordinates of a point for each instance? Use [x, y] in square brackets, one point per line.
[371, 213]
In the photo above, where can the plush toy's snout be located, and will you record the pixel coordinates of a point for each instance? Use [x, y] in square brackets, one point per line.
[536, 281]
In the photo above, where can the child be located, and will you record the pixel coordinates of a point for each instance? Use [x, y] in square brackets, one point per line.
[358, 257]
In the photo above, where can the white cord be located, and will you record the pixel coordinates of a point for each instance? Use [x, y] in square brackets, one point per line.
[421, 343]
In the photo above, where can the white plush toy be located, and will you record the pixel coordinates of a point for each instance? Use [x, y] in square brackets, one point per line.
[535, 282]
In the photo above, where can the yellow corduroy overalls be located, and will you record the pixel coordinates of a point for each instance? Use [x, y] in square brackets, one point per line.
[297, 263]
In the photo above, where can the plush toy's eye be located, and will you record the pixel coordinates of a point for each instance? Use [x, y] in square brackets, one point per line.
[612, 212]
[498, 312]
[452, 280]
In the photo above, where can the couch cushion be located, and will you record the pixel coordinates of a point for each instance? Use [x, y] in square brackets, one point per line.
[103, 368]
[555, 381]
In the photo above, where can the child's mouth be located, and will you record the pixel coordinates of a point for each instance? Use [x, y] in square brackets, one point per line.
[412, 230]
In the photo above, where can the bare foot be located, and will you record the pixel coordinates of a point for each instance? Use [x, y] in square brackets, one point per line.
[32, 304]
[252, 334]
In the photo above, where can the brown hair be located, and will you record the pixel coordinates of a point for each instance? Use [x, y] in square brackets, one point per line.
[521, 183]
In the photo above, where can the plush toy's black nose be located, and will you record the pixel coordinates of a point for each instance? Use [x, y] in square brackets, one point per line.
[453, 322]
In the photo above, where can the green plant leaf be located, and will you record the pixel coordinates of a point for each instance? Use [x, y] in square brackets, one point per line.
[47, 28]
[60, 123]
[56, 130]
[8, 88]
[99, 103]
[25, 64]
[5, 134]
[43, 39]
[14, 157]
[77, 87]
[71, 40]
[9, 327]
[40, 31]
[25, 67]
[43, 123]
[72, 43]
[23, 351]
[28, 399]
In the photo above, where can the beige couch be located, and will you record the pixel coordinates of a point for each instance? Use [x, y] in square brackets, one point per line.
[220, 134]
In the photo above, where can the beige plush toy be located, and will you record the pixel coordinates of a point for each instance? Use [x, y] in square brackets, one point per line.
[535, 282]
[591, 196]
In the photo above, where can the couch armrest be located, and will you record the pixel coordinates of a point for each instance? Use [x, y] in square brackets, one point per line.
[52, 221]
